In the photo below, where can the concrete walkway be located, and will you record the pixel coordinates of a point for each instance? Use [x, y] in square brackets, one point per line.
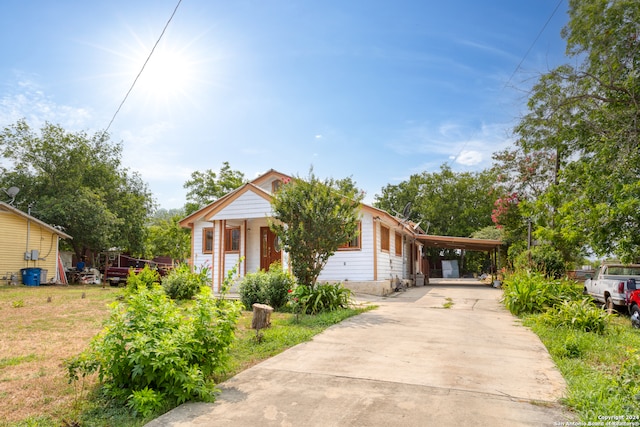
[411, 362]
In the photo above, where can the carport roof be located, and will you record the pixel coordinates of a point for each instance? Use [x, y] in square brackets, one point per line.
[450, 242]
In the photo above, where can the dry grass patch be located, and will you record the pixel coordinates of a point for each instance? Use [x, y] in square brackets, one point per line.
[42, 326]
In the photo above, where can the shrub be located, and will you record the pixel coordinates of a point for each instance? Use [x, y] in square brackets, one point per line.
[153, 353]
[276, 290]
[251, 287]
[266, 287]
[146, 277]
[321, 298]
[182, 283]
[581, 315]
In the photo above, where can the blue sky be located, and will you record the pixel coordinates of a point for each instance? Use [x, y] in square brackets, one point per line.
[375, 90]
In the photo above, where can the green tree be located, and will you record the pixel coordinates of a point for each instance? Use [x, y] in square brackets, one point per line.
[313, 218]
[165, 237]
[589, 115]
[205, 187]
[446, 202]
[76, 181]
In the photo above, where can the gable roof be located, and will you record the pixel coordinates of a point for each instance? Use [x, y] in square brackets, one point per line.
[219, 204]
[8, 208]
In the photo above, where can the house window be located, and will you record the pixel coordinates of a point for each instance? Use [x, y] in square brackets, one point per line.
[232, 239]
[275, 185]
[207, 240]
[398, 244]
[354, 243]
[384, 238]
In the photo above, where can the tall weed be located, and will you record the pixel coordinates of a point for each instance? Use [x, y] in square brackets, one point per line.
[581, 315]
[527, 292]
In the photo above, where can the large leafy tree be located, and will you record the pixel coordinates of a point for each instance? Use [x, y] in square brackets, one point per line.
[589, 116]
[165, 237]
[446, 202]
[313, 218]
[205, 187]
[76, 181]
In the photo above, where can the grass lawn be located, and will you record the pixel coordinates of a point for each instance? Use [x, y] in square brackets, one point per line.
[44, 325]
[602, 371]
[41, 326]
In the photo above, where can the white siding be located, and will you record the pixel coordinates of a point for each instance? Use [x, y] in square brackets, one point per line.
[200, 259]
[268, 185]
[230, 261]
[253, 244]
[389, 264]
[354, 265]
[247, 205]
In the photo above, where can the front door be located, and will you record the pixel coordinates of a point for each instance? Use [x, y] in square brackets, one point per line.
[269, 248]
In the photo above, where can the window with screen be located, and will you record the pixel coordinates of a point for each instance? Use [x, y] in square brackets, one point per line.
[232, 239]
[398, 244]
[384, 238]
[207, 240]
[354, 243]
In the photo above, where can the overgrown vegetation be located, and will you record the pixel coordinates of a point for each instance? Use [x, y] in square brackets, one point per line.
[154, 354]
[596, 352]
[50, 402]
[266, 287]
[526, 292]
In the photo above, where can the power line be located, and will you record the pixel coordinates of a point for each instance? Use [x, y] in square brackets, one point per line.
[533, 44]
[518, 67]
[141, 70]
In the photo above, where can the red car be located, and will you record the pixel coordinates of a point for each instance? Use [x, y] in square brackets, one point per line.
[633, 302]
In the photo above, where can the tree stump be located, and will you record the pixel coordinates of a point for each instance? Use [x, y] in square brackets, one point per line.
[261, 316]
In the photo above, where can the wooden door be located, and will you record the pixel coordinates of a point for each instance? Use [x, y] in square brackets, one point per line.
[269, 249]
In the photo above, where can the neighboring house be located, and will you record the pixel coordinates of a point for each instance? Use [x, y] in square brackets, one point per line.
[236, 227]
[28, 242]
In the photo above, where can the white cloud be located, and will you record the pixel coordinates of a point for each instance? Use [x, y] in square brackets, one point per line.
[451, 141]
[26, 100]
[469, 158]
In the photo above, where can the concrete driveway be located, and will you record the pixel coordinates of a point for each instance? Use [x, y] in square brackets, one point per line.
[411, 362]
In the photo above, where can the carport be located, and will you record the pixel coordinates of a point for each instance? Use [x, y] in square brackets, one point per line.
[465, 243]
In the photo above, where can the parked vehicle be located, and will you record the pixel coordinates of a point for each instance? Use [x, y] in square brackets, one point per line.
[633, 302]
[116, 273]
[612, 283]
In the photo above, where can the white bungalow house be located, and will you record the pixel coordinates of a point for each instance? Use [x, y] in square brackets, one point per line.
[236, 227]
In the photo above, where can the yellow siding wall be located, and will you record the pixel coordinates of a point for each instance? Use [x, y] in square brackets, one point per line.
[13, 245]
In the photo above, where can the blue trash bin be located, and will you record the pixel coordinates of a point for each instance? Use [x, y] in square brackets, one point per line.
[31, 276]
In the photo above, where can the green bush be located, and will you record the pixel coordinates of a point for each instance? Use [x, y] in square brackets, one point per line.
[251, 287]
[266, 287]
[581, 315]
[153, 353]
[544, 259]
[146, 277]
[526, 292]
[318, 299]
[182, 283]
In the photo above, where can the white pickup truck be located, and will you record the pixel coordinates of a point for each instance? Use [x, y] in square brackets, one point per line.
[612, 283]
